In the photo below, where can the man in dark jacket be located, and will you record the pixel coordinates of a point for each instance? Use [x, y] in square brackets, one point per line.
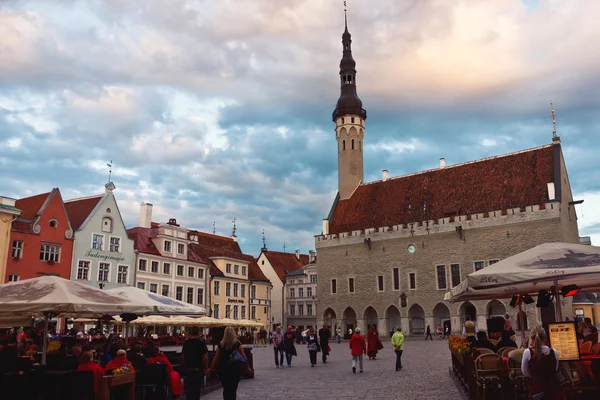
[483, 342]
[324, 335]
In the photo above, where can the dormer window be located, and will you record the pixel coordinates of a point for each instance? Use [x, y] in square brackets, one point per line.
[106, 224]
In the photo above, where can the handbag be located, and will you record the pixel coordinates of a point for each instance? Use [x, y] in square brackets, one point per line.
[236, 357]
[328, 348]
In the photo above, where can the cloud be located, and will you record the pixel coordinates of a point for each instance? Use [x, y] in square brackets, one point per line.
[214, 110]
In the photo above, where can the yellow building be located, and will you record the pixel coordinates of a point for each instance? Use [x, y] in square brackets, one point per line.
[586, 305]
[237, 289]
[8, 213]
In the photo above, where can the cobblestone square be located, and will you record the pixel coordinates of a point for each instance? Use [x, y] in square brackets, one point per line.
[424, 375]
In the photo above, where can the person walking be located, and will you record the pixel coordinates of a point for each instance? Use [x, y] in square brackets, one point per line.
[358, 347]
[230, 370]
[324, 335]
[446, 331]
[256, 337]
[313, 346]
[298, 335]
[290, 350]
[398, 343]
[338, 332]
[540, 364]
[278, 346]
[428, 333]
[263, 337]
[194, 357]
[373, 343]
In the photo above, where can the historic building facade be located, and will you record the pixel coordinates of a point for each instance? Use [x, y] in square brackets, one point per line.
[41, 238]
[389, 250]
[164, 263]
[103, 255]
[8, 213]
[300, 297]
[275, 265]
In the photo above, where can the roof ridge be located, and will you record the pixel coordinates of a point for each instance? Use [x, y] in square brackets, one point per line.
[83, 198]
[460, 164]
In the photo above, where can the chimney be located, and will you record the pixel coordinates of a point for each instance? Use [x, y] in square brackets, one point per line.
[297, 254]
[325, 226]
[311, 256]
[551, 191]
[442, 162]
[145, 215]
[385, 175]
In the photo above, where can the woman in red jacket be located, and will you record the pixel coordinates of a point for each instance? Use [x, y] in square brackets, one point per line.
[358, 347]
[156, 357]
[87, 364]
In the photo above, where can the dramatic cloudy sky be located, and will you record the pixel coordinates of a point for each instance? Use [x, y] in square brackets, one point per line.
[218, 109]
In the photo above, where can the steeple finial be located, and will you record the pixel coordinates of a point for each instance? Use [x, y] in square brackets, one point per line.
[555, 137]
[214, 228]
[264, 240]
[234, 228]
[345, 16]
[109, 165]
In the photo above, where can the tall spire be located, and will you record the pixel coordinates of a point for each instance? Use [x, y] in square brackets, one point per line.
[348, 103]
[555, 137]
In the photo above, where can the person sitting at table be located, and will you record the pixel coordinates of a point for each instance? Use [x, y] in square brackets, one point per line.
[119, 361]
[483, 342]
[592, 336]
[87, 363]
[156, 357]
[136, 357]
[540, 364]
[506, 341]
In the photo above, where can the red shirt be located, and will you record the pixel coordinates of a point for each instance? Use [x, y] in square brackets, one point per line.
[358, 344]
[118, 362]
[96, 369]
[162, 359]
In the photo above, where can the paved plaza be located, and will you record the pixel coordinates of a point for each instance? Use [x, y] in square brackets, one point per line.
[424, 375]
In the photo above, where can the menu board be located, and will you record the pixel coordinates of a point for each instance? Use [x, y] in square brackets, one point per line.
[563, 337]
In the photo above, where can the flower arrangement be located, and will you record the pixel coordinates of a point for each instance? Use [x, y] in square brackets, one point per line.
[125, 369]
[459, 345]
[53, 346]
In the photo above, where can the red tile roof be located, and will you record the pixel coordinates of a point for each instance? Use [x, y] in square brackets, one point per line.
[79, 209]
[497, 183]
[142, 240]
[285, 261]
[30, 206]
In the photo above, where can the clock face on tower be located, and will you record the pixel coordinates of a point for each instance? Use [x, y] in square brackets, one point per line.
[412, 249]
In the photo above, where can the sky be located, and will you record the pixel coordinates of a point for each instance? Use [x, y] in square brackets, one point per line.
[221, 110]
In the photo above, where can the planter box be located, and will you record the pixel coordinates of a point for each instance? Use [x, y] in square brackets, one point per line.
[463, 368]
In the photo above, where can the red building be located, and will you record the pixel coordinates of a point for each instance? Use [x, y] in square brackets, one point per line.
[41, 239]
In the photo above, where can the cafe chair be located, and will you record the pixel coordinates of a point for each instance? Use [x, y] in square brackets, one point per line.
[488, 370]
[596, 349]
[501, 350]
[506, 351]
[83, 385]
[519, 382]
[152, 382]
[483, 350]
[586, 348]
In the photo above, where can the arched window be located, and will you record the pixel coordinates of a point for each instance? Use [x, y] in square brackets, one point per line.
[352, 119]
[352, 144]
[360, 145]
[106, 224]
[342, 120]
[343, 145]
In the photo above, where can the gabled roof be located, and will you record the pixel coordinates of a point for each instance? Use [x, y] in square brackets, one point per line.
[497, 183]
[80, 209]
[284, 263]
[31, 206]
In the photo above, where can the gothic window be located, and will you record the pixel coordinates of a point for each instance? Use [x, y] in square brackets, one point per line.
[352, 119]
[360, 145]
[343, 145]
[342, 120]
[352, 144]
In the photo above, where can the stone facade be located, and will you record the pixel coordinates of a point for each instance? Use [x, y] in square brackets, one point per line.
[367, 255]
[300, 297]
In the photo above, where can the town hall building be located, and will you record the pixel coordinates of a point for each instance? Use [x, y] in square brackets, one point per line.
[389, 250]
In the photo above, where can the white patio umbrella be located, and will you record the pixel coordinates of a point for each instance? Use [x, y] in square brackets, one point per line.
[159, 305]
[542, 267]
[52, 295]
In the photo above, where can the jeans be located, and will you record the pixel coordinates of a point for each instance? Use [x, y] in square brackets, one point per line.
[288, 357]
[359, 358]
[313, 357]
[277, 352]
[193, 383]
[398, 359]
[230, 381]
[339, 339]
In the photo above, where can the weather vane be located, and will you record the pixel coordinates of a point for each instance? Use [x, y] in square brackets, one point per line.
[109, 170]
[214, 228]
[264, 240]
[234, 227]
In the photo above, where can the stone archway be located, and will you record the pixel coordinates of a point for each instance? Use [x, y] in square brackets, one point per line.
[467, 308]
[392, 316]
[330, 318]
[350, 320]
[495, 309]
[441, 316]
[416, 317]
[371, 318]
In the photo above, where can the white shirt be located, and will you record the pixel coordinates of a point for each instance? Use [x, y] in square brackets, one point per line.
[527, 357]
